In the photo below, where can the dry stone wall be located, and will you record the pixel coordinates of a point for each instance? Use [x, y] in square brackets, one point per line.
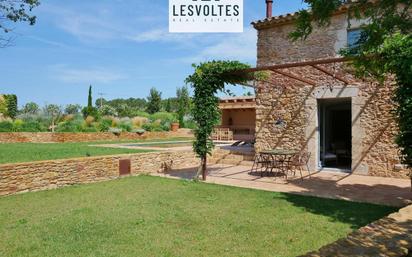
[46, 137]
[295, 104]
[35, 176]
[390, 236]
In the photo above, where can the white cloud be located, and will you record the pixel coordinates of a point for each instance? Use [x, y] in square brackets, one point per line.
[161, 35]
[87, 75]
[235, 46]
[86, 24]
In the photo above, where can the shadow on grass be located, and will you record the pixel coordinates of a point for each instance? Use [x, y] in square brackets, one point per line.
[353, 213]
[389, 236]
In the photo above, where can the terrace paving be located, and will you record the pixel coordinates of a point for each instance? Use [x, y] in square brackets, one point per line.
[338, 185]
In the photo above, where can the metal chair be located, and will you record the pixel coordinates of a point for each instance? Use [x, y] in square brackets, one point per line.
[265, 161]
[299, 161]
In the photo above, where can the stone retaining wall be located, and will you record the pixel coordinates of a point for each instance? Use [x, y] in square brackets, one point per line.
[35, 176]
[390, 236]
[48, 137]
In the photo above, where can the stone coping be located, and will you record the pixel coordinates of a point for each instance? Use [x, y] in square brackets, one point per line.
[91, 158]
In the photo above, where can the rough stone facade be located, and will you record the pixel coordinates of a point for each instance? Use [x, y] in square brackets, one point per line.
[35, 176]
[374, 151]
[48, 137]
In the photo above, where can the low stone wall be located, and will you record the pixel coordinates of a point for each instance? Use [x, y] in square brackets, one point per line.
[390, 236]
[35, 176]
[48, 137]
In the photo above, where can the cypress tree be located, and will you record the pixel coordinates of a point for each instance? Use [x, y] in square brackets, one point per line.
[90, 99]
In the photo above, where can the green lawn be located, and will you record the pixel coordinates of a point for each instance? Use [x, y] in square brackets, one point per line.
[151, 216]
[26, 152]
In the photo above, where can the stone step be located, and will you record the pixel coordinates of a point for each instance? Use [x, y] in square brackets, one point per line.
[230, 162]
[233, 157]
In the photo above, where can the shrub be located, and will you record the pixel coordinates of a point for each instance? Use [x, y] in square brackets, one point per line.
[141, 114]
[153, 127]
[33, 126]
[190, 124]
[89, 121]
[17, 125]
[107, 110]
[90, 111]
[125, 124]
[115, 122]
[104, 125]
[115, 131]
[70, 126]
[68, 117]
[163, 117]
[6, 126]
[139, 121]
[89, 129]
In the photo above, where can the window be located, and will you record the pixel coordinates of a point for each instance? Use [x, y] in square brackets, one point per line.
[354, 37]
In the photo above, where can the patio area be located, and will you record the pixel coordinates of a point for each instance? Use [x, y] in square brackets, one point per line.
[338, 185]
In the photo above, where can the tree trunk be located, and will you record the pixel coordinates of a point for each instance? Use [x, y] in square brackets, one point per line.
[204, 167]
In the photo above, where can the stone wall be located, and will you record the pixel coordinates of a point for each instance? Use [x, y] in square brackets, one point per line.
[374, 151]
[34, 176]
[390, 236]
[48, 137]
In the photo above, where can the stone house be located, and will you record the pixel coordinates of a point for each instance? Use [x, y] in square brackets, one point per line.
[345, 124]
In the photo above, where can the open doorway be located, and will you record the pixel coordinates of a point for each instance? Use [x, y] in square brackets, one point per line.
[335, 133]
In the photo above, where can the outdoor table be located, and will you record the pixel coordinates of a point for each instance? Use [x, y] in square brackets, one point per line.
[279, 159]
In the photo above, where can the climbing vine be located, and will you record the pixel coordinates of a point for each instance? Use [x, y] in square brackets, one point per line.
[208, 79]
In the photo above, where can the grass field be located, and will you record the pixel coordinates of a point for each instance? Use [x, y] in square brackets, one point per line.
[26, 152]
[152, 216]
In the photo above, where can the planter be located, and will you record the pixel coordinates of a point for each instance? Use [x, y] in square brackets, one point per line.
[174, 126]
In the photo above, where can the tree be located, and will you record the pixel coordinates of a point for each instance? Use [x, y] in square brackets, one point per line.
[168, 105]
[54, 112]
[90, 98]
[72, 109]
[100, 102]
[385, 47]
[154, 101]
[11, 104]
[30, 108]
[208, 79]
[90, 110]
[107, 110]
[15, 11]
[125, 107]
[183, 100]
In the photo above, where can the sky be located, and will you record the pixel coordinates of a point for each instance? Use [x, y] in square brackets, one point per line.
[120, 47]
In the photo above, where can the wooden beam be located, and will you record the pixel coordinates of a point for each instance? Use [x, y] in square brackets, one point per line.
[293, 76]
[298, 64]
[330, 73]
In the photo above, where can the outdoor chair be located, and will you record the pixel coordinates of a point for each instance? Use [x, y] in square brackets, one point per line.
[298, 162]
[262, 162]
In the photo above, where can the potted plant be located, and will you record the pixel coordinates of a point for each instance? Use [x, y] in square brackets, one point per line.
[174, 126]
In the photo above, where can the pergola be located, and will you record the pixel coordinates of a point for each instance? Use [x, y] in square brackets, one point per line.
[314, 64]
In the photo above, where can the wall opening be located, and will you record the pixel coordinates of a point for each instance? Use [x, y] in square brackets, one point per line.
[335, 133]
